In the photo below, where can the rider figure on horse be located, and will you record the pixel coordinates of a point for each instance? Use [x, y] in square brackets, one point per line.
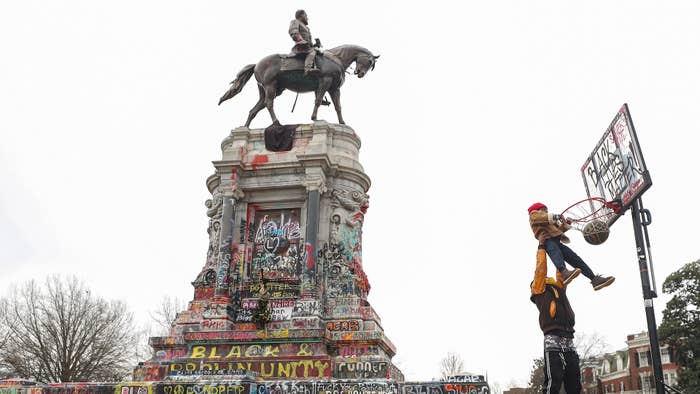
[300, 33]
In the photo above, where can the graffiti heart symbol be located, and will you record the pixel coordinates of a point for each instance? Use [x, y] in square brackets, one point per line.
[271, 244]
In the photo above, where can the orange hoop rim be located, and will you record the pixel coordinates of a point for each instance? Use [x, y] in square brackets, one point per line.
[615, 206]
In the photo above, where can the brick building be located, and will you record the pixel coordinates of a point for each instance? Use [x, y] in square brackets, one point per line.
[628, 370]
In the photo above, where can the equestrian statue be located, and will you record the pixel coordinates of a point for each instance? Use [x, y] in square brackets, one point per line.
[306, 69]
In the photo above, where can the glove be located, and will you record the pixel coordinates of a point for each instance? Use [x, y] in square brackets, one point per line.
[317, 43]
[557, 217]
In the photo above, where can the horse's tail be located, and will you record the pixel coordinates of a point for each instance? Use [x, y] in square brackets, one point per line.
[238, 83]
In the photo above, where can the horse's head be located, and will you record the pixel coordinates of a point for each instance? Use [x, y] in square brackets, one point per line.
[364, 63]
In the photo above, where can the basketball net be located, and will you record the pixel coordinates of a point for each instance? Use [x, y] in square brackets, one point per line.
[590, 209]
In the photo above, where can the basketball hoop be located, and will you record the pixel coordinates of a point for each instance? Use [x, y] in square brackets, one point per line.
[590, 217]
[590, 209]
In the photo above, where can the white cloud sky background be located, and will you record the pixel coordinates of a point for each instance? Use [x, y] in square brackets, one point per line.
[475, 110]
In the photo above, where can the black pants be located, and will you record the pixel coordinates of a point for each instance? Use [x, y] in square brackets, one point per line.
[561, 367]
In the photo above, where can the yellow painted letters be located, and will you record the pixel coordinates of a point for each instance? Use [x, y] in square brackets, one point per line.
[198, 352]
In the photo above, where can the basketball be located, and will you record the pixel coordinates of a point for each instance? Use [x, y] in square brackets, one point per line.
[596, 232]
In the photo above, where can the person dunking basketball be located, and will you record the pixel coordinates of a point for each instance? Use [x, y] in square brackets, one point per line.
[549, 230]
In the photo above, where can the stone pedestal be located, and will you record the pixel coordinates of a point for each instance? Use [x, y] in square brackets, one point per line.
[282, 294]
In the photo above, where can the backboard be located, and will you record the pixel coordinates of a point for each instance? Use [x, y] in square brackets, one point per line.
[615, 170]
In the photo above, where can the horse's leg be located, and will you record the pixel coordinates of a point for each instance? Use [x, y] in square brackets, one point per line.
[257, 107]
[270, 94]
[323, 85]
[335, 97]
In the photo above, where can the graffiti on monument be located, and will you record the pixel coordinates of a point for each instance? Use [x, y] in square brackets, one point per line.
[358, 350]
[357, 388]
[445, 388]
[280, 309]
[170, 354]
[343, 325]
[467, 378]
[273, 350]
[306, 308]
[361, 370]
[286, 387]
[214, 212]
[346, 220]
[297, 368]
[243, 385]
[276, 244]
[149, 371]
[134, 388]
[273, 289]
[79, 388]
[224, 387]
[252, 335]
[339, 277]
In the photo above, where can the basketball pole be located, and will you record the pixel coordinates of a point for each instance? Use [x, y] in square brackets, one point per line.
[641, 218]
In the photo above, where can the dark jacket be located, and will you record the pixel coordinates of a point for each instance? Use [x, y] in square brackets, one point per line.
[549, 294]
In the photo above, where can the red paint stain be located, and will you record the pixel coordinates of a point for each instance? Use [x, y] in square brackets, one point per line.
[309, 256]
[259, 159]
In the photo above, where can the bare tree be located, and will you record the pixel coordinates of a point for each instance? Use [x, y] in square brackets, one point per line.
[590, 345]
[451, 364]
[4, 338]
[166, 312]
[4, 331]
[60, 332]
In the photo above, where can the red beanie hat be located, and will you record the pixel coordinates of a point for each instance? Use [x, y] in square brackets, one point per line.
[536, 206]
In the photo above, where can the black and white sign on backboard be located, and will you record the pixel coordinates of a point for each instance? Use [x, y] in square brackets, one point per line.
[615, 170]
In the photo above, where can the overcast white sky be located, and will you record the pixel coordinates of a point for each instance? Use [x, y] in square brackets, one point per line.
[109, 124]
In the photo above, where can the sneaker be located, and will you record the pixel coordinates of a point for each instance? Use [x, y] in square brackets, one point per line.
[598, 282]
[568, 275]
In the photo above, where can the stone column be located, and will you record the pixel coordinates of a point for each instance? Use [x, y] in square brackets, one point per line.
[221, 292]
[315, 186]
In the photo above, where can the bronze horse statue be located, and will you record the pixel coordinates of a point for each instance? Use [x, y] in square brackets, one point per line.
[273, 80]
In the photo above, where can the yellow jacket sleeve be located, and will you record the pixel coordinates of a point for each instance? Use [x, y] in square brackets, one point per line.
[538, 283]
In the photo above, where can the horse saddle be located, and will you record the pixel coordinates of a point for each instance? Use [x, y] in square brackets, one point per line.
[292, 62]
[295, 61]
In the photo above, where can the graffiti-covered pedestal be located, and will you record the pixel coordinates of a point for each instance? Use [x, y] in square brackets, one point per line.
[282, 294]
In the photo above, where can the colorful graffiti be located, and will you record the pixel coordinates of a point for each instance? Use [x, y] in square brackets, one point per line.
[306, 308]
[358, 350]
[245, 385]
[276, 244]
[445, 388]
[252, 335]
[205, 388]
[356, 387]
[280, 309]
[170, 354]
[343, 325]
[362, 370]
[467, 378]
[346, 220]
[298, 368]
[340, 280]
[274, 350]
[288, 289]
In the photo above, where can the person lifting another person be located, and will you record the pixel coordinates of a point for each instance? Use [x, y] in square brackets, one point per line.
[549, 229]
